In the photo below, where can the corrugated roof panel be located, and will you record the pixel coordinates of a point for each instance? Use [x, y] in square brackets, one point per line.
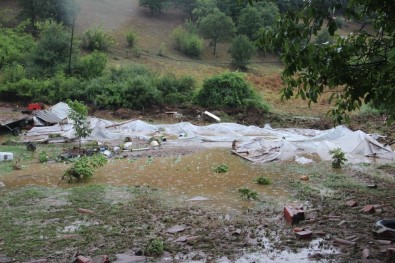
[48, 116]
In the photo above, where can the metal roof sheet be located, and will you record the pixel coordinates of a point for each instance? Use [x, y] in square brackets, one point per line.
[48, 116]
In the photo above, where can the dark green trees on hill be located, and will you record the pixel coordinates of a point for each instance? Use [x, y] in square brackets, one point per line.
[357, 68]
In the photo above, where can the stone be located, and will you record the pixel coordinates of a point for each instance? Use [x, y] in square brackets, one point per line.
[304, 178]
[175, 229]
[293, 215]
[298, 229]
[351, 203]
[368, 209]
[2, 185]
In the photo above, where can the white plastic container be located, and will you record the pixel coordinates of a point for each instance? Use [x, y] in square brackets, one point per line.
[5, 156]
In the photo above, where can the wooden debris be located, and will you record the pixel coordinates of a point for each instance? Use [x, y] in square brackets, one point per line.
[343, 242]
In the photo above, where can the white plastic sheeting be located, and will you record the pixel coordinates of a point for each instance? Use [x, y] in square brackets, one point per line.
[255, 144]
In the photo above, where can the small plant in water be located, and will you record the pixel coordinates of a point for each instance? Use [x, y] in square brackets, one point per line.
[43, 157]
[155, 247]
[222, 168]
[247, 193]
[262, 180]
[338, 156]
[83, 167]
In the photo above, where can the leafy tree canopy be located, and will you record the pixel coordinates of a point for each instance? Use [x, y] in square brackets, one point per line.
[241, 50]
[357, 68]
[217, 27]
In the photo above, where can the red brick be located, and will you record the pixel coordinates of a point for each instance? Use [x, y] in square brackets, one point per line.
[293, 215]
[351, 203]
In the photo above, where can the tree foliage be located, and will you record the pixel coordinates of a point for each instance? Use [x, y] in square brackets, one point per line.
[357, 68]
[78, 115]
[62, 11]
[216, 26]
[188, 43]
[95, 38]
[229, 90]
[155, 6]
[241, 50]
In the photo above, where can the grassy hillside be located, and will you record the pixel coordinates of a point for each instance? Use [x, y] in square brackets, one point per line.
[117, 17]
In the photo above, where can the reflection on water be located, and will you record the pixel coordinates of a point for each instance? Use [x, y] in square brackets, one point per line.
[185, 176]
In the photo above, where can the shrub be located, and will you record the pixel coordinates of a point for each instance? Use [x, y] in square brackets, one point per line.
[155, 247]
[189, 44]
[263, 180]
[83, 168]
[247, 193]
[131, 38]
[43, 157]
[92, 65]
[324, 37]
[228, 90]
[340, 22]
[222, 168]
[97, 39]
[338, 156]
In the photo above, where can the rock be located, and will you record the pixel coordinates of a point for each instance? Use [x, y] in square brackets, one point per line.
[368, 209]
[293, 215]
[351, 203]
[125, 258]
[2, 185]
[305, 234]
[175, 229]
[82, 259]
[181, 239]
[304, 178]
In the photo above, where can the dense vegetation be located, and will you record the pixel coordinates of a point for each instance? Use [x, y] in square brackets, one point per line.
[41, 61]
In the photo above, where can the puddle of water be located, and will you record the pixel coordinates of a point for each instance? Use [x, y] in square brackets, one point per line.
[184, 176]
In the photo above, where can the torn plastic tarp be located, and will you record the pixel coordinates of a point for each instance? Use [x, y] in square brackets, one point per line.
[255, 144]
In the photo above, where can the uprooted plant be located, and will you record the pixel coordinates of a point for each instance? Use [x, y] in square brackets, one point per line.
[222, 168]
[83, 167]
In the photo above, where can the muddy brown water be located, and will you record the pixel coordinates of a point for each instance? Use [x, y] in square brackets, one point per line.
[183, 176]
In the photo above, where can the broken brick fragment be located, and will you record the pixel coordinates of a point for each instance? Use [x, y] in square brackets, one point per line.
[351, 203]
[293, 215]
[305, 234]
[368, 209]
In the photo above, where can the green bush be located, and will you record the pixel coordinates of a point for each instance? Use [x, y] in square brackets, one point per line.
[190, 44]
[263, 180]
[83, 168]
[247, 193]
[155, 247]
[97, 39]
[222, 168]
[338, 156]
[229, 90]
[92, 65]
[241, 50]
[131, 38]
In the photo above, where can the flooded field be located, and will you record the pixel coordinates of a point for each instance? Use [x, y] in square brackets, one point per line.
[184, 177]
